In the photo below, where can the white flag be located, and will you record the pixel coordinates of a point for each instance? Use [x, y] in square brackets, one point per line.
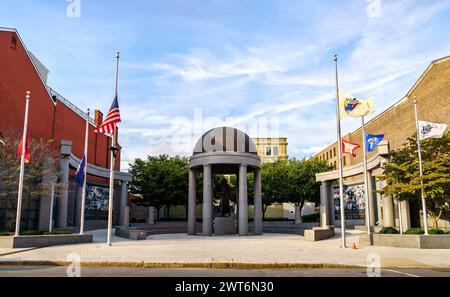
[431, 130]
[351, 106]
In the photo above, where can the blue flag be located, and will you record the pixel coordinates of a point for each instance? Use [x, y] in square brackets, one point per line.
[79, 175]
[372, 141]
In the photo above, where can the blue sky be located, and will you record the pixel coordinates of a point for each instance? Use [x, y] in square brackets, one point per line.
[241, 63]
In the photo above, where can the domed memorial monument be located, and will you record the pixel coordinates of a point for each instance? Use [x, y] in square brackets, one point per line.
[225, 151]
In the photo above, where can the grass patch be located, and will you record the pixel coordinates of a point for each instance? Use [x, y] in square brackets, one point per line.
[6, 234]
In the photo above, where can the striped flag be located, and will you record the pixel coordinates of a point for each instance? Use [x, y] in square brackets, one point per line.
[112, 118]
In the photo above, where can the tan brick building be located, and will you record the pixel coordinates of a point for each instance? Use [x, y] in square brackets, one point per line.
[271, 149]
[397, 123]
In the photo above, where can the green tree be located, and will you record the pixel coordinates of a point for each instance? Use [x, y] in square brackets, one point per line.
[161, 180]
[402, 175]
[301, 185]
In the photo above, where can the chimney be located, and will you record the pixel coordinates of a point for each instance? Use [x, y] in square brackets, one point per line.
[98, 117]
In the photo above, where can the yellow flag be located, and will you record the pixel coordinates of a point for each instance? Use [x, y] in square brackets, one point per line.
[351, 106]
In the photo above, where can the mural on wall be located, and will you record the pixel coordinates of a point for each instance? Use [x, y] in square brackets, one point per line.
[97, 199]
[354, 202]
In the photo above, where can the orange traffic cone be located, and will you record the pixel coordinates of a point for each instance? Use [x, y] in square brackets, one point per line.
[354, 246]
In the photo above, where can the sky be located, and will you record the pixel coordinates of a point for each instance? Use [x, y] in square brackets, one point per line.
[262, 66]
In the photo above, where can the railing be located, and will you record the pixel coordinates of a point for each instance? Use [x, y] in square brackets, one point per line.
[70, 105]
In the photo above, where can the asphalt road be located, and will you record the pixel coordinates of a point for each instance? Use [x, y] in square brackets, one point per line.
[48, 271]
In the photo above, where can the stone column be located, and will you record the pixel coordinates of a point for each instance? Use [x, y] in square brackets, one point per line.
[324, 207]
[45, 199]
[62, 201]
[388, 212]
[243, 203]
[371, 200]
[258, 203]
[192, 204]
[78, 206]
[406, 216]
[123, 203]
[207, 201]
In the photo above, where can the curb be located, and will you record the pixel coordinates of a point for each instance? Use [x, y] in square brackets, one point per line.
[212, 265]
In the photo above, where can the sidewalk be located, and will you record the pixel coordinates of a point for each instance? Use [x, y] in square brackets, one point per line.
[268, 251]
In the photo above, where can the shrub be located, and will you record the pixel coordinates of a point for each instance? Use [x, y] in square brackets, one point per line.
[388, 230]
[312, 218]
[6, 234]
[30, 233]
[436, 231]
[448, 232]
[60, 232]
[415, 231]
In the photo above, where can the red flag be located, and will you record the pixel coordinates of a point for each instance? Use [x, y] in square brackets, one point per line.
[27, 150]
[349, 147]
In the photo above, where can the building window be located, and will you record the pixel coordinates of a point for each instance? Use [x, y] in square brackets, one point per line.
[268, 151]
[275, 150]
[334, 151]
[345, 161]
[335, 166]
[327, 156]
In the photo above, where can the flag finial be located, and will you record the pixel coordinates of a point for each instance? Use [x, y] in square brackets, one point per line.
[415, 99]
[335, 57]
[118, 54]
[28, 94]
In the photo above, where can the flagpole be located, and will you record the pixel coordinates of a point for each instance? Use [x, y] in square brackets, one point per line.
[366, 178]
[113, 161]
[419, 150]
[22, 164]
[341, 178]
[83, 193]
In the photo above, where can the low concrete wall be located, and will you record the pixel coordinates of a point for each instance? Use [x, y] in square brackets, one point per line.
[318, 233]
[43, 240]
[407, 241]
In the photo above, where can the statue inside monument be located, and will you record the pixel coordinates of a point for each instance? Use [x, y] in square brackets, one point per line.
[224, 209]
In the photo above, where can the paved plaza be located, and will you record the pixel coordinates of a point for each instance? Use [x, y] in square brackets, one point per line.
[267, 251]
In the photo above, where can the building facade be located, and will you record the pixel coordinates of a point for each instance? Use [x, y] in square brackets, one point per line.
[271, 149]
[54, 118]
[397, 123]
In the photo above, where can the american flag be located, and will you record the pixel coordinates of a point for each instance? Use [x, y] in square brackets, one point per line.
[112, 118]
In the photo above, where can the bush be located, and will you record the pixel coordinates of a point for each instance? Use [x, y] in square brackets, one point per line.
[436, 231]
[415, 231]
[312, 218]
[388, 230]
[61, 232]
[30, 233]
[6, 234]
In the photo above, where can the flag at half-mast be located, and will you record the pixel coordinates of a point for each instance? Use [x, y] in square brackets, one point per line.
[112, 118]
[431, 130]
[351, 106]
[79, 175]
[27, 149]
[349, 147]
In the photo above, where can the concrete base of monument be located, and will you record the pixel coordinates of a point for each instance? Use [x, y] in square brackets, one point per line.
[225, 225]
[43, 240]
[319, 233]
[406, 241]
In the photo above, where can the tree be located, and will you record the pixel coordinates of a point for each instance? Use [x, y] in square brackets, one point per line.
[161, 180]
[36, 172]
[301, 185]
[402, 175]
[272, 183]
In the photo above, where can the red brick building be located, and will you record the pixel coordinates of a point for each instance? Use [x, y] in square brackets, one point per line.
[51, 117]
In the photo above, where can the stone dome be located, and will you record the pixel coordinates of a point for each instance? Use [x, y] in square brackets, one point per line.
[225, 139]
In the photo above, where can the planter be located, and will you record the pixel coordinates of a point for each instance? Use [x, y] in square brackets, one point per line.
[319, 233]
[43, 240]
[407, 241]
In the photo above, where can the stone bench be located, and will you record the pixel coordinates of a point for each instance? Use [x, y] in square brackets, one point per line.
[319, 233]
